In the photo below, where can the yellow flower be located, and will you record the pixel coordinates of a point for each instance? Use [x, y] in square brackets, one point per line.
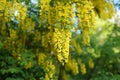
[47, 77]
[13, 34]
[91, 63]
[41, 58]
[74, 69]
[50, 70]
[28, 66]
[83, 68]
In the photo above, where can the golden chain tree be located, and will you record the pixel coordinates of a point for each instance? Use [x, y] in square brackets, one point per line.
[48, 35]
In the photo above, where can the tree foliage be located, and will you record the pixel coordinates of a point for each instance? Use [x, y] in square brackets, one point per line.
[41, 42]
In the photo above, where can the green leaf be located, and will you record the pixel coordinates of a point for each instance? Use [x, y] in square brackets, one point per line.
[3, 71]
[1, 45]
[13, 70]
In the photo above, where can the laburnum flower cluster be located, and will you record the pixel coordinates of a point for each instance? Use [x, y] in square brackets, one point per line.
[59, 17]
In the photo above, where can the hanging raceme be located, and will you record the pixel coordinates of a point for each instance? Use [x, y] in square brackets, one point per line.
[60, 20]
[45, 8]
[12, 9]
[50, 70]
[21, 11]
[41, 58]
[104, 8]
[74, 69]
[82, 66]
[91, 63]
[37, 37]
[28, 25]
[13, 34]
[7, 10]
[76, 46]
[60, 42]
[3, 28]
[85, 14]
[2, 7]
